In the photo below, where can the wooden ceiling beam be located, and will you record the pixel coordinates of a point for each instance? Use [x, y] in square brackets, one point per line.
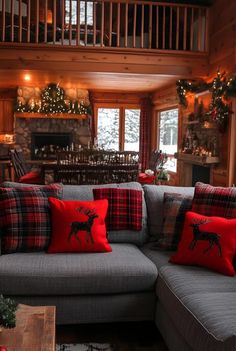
[167, 63]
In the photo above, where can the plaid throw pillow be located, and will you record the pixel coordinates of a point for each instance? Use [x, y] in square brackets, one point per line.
[124, 209]
[174, 208]
[25, 217]
[214, 201]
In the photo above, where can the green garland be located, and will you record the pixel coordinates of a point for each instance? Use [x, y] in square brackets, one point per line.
[53, 101]
[220, 88]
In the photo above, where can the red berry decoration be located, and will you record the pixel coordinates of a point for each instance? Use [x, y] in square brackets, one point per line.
[3, 348]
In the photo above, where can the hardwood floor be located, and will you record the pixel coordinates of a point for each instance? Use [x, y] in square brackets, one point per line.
[123, 336]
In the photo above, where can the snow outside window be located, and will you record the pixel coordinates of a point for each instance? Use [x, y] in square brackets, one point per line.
[132, 119]
[82, 12]
[118, 129]
[108, 128]
[168, 136]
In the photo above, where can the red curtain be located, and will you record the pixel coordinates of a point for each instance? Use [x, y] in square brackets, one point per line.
[145, 132]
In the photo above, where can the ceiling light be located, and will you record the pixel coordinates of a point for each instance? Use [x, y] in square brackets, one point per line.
[27, 77]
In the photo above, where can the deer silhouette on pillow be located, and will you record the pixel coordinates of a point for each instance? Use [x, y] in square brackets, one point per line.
[211, 237]
[78, 226]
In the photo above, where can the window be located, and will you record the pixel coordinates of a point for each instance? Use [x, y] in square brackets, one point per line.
[168, 136]
[73, 12]
[118, 128]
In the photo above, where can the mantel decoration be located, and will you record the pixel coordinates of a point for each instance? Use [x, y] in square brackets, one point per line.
[221, 89]
[53, 99]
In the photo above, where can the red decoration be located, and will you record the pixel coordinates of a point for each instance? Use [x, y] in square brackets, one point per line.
[78, 226]
[208, 242]
[3, 348]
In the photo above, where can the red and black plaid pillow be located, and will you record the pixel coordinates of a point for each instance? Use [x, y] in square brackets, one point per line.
[214, 201]
[25, 217]
[124, 209]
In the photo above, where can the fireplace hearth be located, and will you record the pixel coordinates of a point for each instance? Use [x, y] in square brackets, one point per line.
[46, 145]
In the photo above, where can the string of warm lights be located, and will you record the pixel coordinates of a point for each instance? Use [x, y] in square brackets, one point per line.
[53, 101]
[221, 89]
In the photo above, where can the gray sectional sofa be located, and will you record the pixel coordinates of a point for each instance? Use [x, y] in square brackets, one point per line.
[194, 308]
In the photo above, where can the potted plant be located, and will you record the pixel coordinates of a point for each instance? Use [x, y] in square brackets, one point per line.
[8, 309]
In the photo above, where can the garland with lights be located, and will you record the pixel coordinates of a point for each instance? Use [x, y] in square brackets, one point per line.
[220, 88]
[53, 101]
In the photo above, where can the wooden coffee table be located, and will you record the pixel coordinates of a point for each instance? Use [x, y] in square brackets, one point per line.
[34, 331]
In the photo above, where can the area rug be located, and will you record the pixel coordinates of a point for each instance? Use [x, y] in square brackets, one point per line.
[84, 347]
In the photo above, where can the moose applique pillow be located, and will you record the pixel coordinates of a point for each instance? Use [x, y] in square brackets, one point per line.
[207, 241]
[78, 226]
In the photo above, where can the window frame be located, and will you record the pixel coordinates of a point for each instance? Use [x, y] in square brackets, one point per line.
[158, 119]
[122, 107]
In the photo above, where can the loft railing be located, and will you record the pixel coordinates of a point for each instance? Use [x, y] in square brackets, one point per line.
[105, 24]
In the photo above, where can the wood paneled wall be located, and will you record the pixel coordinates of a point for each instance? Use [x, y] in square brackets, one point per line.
[7, 97]
[222, 30]
[222, 39]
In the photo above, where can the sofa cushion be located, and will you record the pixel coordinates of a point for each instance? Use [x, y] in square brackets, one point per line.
[175, 207]
[214, 201]
[154, 195]
[78, 226]
[207, 241]
[158, 257]
[85, 193]
[125, 269]
[124, 208]
[25, 217]
[201, 305]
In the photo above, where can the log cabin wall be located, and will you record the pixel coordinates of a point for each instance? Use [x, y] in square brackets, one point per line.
[222, 38]
[222, 55]
[7, 97]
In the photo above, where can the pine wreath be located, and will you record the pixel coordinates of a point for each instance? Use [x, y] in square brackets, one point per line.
[53, 99]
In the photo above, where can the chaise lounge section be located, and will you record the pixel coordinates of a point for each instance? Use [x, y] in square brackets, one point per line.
[194, 308]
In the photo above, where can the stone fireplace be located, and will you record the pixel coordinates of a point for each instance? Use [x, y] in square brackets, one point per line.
[45, 145]
[34, 135]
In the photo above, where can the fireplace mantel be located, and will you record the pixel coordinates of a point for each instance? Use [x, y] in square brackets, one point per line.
[197, 160]
[53, 115]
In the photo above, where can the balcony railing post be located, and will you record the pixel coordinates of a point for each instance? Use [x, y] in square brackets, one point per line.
[20, 21]
[118, 25]
[177, 29]
[37, 22]
[102, 24]
[150, 27]
[78, 23]
[45, 21]
[134, 25]
[126, 24]
[3, 20]
[94, 24]
[110, 24]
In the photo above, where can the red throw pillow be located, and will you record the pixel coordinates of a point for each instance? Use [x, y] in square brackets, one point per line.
[25, 217]
[78, 226]
[214, 200]
[125, 207]
[32, 177]
[209, 242]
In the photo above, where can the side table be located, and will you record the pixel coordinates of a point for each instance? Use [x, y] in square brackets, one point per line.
[34, 331]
